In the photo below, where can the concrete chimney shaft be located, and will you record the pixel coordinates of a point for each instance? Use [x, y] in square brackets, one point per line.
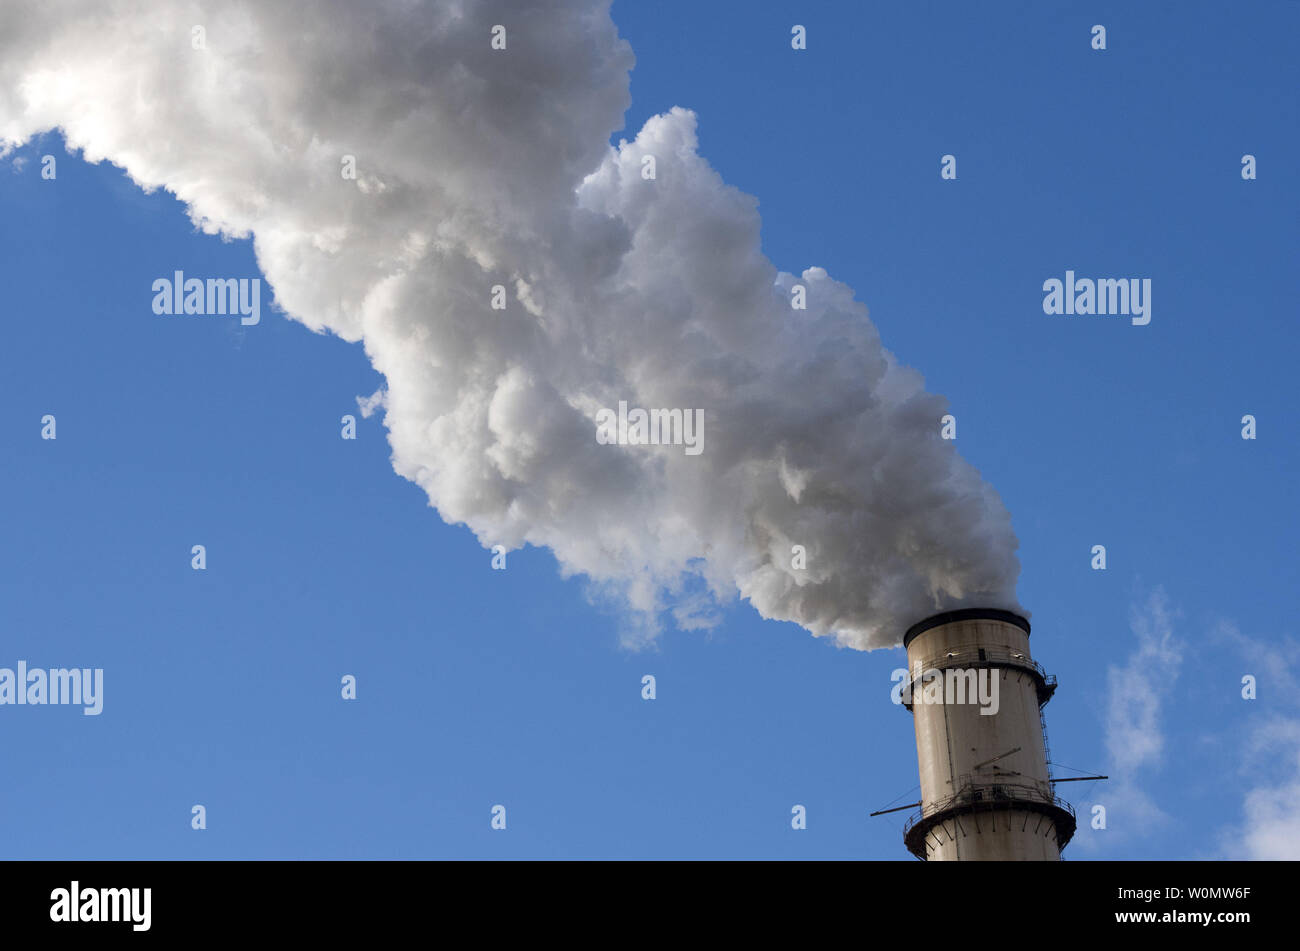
[985, 787]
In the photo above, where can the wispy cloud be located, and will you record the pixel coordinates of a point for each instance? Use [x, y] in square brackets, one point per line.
[1137, 691]
[1270, 826]
[1270, 811]
[1269, 661]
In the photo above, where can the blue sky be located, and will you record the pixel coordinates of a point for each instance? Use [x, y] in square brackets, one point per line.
[478, 687]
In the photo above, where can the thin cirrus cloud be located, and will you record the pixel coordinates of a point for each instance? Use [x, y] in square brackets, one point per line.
[479, 167]
[1136, 698]
[1270, 809]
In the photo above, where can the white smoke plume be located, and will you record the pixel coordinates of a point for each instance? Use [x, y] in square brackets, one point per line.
[478, 167]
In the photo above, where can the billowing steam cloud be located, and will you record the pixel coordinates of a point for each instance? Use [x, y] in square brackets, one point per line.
[478, 167]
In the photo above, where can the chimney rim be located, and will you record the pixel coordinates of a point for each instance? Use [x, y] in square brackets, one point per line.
[964, 614]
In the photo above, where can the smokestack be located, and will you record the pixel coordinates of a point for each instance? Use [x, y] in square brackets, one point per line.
[976, 697]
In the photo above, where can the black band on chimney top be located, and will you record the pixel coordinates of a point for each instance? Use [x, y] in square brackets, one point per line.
[965, 614]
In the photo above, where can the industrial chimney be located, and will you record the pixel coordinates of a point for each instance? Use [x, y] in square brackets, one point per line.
[976, 698]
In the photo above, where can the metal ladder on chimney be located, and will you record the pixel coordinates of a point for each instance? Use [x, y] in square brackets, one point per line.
[1047, 750]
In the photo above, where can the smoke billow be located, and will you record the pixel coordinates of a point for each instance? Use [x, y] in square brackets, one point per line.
[478, 167]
